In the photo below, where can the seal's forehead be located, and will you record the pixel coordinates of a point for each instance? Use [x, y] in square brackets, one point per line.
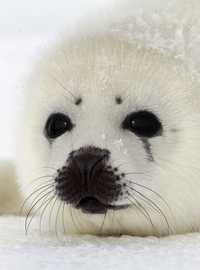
[106, 66]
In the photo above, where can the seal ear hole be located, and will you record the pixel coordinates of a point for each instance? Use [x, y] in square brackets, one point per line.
[57, 124]
[143, 124]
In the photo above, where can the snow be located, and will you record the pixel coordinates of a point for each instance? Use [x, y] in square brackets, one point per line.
[37, 251]
[24, 34]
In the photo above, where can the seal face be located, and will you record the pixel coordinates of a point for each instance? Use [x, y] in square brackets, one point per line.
[112, 138]
[87, 180]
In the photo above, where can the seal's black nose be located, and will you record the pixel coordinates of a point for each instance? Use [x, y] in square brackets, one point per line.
[87, 181]
[89, 162]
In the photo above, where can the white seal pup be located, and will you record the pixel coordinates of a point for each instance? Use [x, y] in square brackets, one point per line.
[110, 133]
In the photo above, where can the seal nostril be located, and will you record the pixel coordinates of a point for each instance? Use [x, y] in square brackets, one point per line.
[89, 161]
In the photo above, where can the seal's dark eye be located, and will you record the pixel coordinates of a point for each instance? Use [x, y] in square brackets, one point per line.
[143, 124]
[57, 124]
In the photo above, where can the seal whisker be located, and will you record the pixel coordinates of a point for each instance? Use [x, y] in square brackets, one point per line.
[63, 86]
[49, 200]
[103, 223]
[143, 211]
[57, 219]
[152, 191]
[72, 218]
[41, 177]
[43, 188]
[51, 212]
[153, 206]
[32, 208]
[63, 219]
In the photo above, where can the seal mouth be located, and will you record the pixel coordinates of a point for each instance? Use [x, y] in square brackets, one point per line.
[92, 205]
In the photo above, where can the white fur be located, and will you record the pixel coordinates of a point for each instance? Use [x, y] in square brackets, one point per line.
[149, 71]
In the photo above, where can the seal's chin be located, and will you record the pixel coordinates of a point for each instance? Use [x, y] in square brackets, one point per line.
[92, 205]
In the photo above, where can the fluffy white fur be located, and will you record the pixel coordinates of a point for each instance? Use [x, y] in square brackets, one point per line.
[146, 59]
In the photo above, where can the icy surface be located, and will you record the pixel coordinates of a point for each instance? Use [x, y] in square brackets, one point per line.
[35, 251]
